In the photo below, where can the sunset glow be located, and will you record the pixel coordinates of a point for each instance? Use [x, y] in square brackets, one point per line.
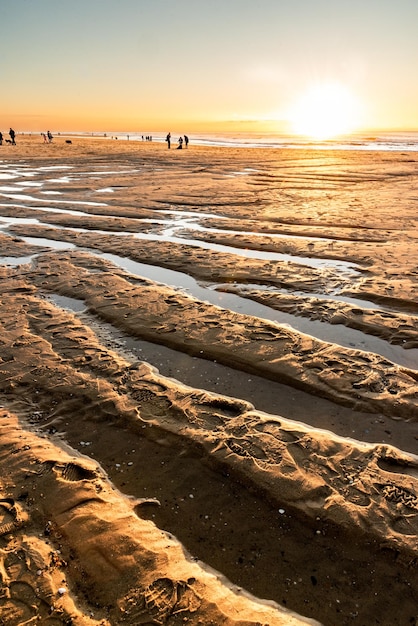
[197, 66]
[325, 111]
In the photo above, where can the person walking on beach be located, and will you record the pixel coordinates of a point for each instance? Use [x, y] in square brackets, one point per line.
[168, 140]
[186, 140]
[180, 146]
[1, 138]
[49, 135]
[12, 136]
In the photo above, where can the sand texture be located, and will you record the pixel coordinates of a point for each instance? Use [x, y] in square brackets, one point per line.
[208, 385]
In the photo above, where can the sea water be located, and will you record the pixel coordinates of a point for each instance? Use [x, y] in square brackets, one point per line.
[404, 141]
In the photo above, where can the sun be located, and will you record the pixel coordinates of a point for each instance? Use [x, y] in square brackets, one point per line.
[325, 111]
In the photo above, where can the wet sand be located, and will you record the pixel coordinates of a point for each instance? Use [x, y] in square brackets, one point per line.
[208, 385]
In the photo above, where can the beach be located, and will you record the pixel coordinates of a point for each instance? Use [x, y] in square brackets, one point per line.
[208, 385]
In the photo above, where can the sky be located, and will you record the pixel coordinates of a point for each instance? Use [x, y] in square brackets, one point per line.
[207, 65]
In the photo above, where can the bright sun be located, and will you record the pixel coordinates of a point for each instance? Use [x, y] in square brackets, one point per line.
[325, 111]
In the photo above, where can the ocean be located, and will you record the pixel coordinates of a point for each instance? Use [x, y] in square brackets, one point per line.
[406, 141]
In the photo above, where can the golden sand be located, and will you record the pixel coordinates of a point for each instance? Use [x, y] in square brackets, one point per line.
[166, 460]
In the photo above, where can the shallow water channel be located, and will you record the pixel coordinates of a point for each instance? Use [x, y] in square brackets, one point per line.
[338, 334]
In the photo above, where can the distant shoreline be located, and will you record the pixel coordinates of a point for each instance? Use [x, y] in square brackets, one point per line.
[383, 141]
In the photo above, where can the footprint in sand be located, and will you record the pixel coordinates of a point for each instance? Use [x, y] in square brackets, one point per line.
[245, 447]
[223, 407]
[398, 466]
[11, 517]
[71, 472]
[74, 473]
[405, 507]
[399, 495]
[356, 496]
[161, 600]
[265, 335]
[27, 591]
[405, 525]
[15, 613]
[151, 405]
[270, 427]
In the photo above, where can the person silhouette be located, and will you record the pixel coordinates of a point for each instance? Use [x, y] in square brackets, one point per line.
[1, 138]
[186, 140]
[168, 140]
[180, 146]
[12, 136]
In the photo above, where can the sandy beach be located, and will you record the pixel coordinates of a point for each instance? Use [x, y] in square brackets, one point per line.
[208, 385]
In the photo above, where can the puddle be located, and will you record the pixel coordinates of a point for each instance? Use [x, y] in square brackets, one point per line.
[64, 211]
[64, 302]
[15, 172]
[15, 261]
[30, 184]
[49, 168]
[63, 179]
[11, 221]
[23, 197]
[55, 210]
[49, 243]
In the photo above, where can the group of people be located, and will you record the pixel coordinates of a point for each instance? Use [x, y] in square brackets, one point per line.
[47, 137]
[180, 141]
[12, 136]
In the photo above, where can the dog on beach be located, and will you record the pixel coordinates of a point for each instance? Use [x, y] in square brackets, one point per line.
[8, 141]
[68, 141]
